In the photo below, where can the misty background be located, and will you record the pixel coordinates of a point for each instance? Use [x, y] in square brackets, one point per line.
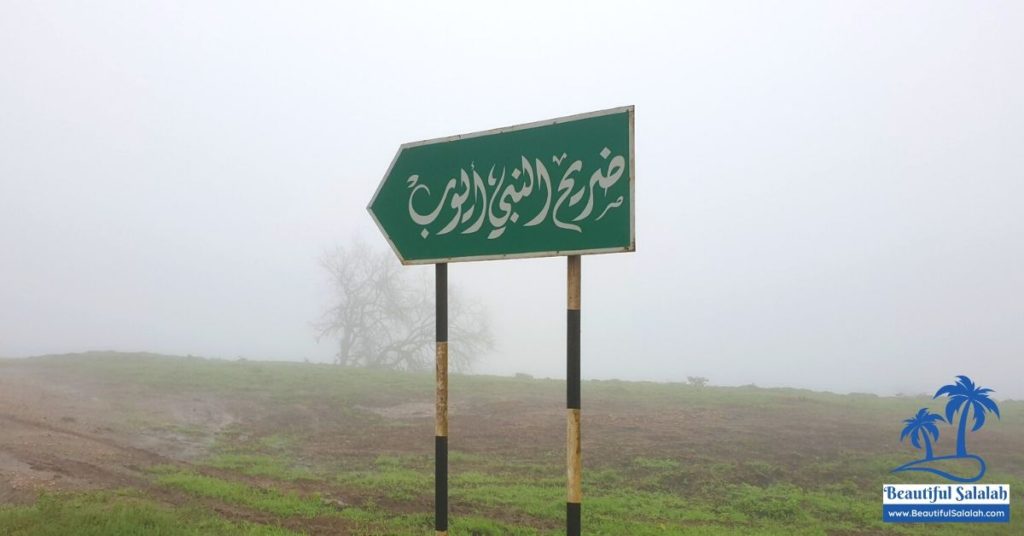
[829, 195]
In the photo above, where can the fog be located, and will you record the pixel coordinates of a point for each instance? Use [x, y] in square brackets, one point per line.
[828, 195]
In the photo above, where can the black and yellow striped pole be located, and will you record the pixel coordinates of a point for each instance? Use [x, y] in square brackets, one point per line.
[441, 403]
[572, 379]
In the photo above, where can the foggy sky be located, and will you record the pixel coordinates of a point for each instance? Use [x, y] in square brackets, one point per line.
[828, 195]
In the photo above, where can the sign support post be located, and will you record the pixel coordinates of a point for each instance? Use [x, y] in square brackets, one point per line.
[441, 401]
[572, 380]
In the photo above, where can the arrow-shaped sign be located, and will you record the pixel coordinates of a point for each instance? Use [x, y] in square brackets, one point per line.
[557, 187]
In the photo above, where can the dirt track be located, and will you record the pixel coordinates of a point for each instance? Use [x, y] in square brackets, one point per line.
[64, 435]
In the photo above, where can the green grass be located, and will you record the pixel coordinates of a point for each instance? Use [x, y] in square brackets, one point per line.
[119, 513]
[374, 522]
[261, 465]
[655, 463]
[280, 503]
[390, 479]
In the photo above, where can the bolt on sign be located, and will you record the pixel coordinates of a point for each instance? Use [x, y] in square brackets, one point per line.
[558, 187]
[550, 188]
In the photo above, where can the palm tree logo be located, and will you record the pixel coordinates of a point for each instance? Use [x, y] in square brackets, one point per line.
[922, 426]
[966, 398]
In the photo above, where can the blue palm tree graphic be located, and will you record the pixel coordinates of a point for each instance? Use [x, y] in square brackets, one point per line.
[966, 397]
[922, 426]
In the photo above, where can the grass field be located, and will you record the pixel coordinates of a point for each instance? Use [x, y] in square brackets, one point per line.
[141, 444]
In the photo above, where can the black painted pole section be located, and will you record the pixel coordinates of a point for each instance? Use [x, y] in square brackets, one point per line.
[441, 409]
[574, 495]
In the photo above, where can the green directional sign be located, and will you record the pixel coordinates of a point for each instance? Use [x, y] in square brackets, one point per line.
[557, 187]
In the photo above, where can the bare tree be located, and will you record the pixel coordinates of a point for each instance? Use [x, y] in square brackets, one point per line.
[384, 318]
[697, 381]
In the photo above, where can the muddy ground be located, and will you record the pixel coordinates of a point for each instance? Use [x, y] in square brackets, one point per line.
[68, 426]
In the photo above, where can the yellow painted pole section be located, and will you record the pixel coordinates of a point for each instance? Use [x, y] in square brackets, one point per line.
[572, 451]
[573, 285]
[441, 409]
